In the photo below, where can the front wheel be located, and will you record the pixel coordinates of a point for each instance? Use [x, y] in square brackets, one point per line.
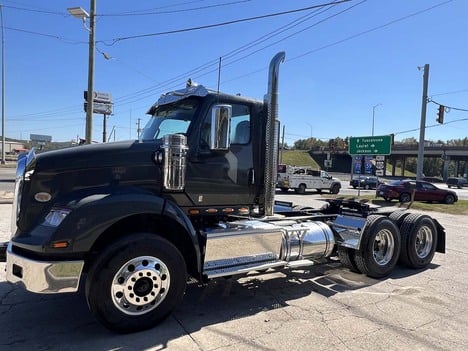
[335, 189]
[449, 199]
[301, 189]
[380, 247]
[136, 282]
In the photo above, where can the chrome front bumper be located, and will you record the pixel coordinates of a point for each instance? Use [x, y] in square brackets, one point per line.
[42, 276]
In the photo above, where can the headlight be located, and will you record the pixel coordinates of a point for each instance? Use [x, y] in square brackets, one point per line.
[56, 216]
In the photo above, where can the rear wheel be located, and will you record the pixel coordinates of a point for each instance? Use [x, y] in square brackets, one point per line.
[398, 217]
[346, 256]
[380, 247]
[405, 197]
[418, 240]
[136, 282]
[301, 189]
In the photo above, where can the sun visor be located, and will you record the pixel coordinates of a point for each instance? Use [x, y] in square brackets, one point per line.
[177, 95]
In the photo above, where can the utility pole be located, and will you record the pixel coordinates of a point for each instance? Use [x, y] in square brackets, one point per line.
[104, 129]
[138, 128]
[3, 88]
[90, 106]
[282, 146]
[422, 128]
[373, 117]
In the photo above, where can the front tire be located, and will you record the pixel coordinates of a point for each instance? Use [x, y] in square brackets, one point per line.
[301, 189]
[136, 282]
[449, 199]
[380, 247]
[335, 189]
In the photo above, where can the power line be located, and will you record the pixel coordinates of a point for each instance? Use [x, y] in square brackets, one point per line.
[212, 66]
[449, 107]
[451, 92]
[349, 38]
[113, 41]
[69, 41]
[144, 93]
[300, 31]
[147, 13]
[37, 11]
[371, 30]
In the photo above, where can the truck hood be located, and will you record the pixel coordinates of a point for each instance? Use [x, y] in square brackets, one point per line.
[97, 156]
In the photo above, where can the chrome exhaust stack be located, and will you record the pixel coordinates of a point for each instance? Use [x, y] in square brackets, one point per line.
[272, 133]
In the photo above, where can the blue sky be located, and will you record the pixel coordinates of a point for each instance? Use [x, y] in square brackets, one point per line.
[341, 61]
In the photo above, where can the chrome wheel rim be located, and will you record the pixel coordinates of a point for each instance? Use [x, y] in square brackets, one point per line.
[140, 285]
[384, 246]
[424, 242]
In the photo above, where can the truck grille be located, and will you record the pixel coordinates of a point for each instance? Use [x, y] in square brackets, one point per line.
[23, 161]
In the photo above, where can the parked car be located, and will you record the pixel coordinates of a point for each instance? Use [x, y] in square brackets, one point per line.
[458, 182]
[365, 182]
[424, 191]
[433, 179]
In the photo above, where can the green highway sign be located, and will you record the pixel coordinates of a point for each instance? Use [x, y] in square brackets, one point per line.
[370, 145]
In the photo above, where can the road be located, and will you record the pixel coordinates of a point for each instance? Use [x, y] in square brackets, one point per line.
[347, 190]
[325, 307]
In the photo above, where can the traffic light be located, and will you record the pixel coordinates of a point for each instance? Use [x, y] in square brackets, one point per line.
[440, 114]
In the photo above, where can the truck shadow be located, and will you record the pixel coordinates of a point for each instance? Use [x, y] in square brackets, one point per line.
[68, 322]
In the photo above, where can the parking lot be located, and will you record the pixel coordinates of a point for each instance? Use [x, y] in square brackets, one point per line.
[314, 308]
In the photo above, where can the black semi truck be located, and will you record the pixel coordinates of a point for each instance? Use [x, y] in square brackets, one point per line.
[132, 222]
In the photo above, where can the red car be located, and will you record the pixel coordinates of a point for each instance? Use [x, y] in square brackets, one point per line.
[424, 191]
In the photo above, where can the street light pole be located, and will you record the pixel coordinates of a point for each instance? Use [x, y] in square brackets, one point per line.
[81, 13]
[422, 128]
[373, 117]
[92, 44]
[3, 88]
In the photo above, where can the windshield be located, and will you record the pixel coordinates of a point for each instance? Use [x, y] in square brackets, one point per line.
[170, 119]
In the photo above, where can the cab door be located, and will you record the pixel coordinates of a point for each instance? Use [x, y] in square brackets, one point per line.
[222, 175]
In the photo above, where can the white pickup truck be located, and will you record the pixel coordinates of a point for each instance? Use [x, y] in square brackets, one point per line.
[302, 178]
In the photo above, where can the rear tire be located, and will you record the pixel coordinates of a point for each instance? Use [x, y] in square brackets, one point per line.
[405, 197]
[346, 256]
[380, 247]
[418, 240]
[136, 282]
[301, 189]
[398, 217]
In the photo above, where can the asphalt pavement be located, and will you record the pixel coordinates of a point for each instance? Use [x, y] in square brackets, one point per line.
[324, 307]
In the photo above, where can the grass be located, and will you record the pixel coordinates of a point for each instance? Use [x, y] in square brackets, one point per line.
[298, 158]
[458, 208]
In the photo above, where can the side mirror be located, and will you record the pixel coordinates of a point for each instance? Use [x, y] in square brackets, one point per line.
[220, 127]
